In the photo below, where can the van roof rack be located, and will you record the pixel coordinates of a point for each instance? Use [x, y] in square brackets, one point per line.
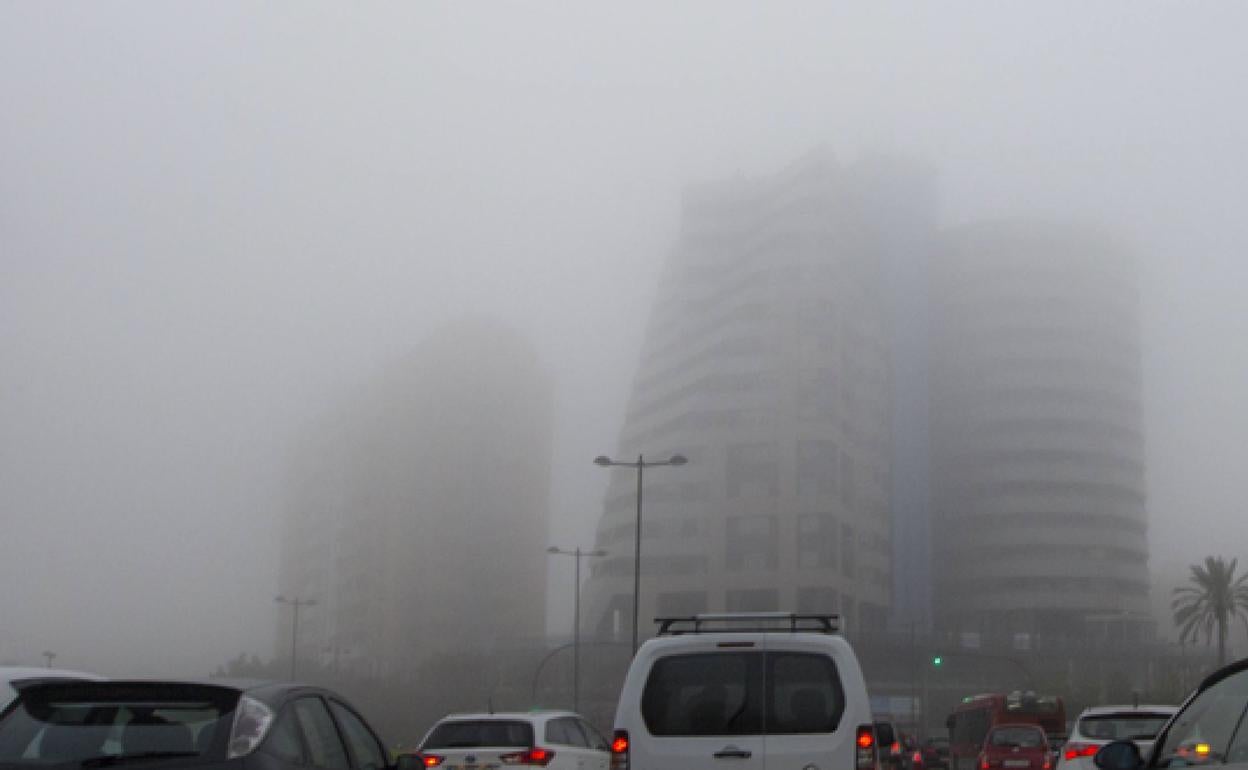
[724, 622]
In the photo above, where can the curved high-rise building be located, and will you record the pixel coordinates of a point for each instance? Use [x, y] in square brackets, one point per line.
[767, 363]
[1039, 522]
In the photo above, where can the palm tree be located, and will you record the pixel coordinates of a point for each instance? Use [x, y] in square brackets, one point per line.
[1211, 603]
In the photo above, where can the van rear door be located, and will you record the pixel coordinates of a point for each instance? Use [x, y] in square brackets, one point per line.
[813, 706]
[702, 706]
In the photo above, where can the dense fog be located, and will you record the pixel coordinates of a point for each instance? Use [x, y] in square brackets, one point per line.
[217, 219]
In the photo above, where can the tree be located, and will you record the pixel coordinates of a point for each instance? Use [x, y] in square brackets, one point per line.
[1211, 603]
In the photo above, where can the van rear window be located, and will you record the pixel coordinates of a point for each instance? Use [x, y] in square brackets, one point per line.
[742, 693]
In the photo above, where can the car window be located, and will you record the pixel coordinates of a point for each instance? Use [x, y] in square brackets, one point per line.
[368, 753]
[325, 748]
[704, 694]
[1016, 737]
[805, 693]
[1135, 726]
[596, 741]
[1207, 729]
[473, 733]
[565, 732]
[284, 741]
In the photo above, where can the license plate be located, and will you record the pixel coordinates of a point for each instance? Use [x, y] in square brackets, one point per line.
[1017, 763]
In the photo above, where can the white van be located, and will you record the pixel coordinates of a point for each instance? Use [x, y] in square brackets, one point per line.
[755, 691]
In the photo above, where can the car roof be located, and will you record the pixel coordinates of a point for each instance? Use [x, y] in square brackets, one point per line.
[513, 715]
[17, 673]
[1096, 711]
[272, 693]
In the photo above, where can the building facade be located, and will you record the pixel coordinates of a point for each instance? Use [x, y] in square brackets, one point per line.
[418, 511]
[1037, 440]
[767, 364]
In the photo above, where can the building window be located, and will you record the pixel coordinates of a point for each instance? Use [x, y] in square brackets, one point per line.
[751, 543]
[752, 470]
[816, 468]
[816, 541]
[817, 599]
[681, 603]
[752, 600]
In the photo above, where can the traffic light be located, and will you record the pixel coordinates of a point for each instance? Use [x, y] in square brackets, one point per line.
[937, 661]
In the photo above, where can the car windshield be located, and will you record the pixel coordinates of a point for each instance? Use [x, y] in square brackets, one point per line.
[109, 725]
[1134, 726]
[1016, 737]
[475, 733]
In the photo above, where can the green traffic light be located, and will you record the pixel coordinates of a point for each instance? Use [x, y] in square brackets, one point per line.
[937, 660]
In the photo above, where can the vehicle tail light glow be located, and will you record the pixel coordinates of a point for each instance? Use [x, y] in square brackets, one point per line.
[983, 762]
[1076, 750]
[917, 758]
[252, 720]
[619, 750]
[431, 760]
[864, 755]
[535, 756]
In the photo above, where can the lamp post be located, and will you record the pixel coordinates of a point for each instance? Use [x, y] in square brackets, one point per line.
[576, 553]
[641, 464]
[295, 603]
[49, 656]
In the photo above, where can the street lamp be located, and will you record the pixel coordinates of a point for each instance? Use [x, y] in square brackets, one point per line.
[295, 602]
[49, 656]
[641, 464]
[577, 553]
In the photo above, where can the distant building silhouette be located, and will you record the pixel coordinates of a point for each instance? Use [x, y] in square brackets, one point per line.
[1037, 437]
[418, 508]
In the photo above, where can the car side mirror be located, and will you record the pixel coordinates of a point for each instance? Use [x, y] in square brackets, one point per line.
[408, 762]
[1118, 755]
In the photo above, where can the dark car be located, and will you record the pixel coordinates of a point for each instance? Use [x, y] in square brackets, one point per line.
[1208, 730]
[1016, 747]
[935, 751]
[175, 724]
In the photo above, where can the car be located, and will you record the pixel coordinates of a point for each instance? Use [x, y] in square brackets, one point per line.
[1016, 747]
[1208, 729]
[892, 746]
[935, 752]
[556, 740]
[745, 690]
[1100, 725]
[185, 724]
[11, 674]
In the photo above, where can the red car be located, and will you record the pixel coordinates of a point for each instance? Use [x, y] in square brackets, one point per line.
[1016, 747]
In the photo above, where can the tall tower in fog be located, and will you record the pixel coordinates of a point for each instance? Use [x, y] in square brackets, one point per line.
[767, 362]
[418, 508]
[1037, 463]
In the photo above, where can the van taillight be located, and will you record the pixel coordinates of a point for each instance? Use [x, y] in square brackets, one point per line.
[864, 748]
[619, 750]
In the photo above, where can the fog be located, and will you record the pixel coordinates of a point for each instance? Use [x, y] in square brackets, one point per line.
[215, 218]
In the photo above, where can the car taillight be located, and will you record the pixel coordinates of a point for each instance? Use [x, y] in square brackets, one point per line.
[1048, 762]
[1076, 750]
[918, 757]
[534, 756]
[864, 748]
[619, 750]
[252, 720]
[895, 749]
[431, 760]
[983, 762]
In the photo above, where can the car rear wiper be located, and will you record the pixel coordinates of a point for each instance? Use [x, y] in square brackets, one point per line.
[108, 760]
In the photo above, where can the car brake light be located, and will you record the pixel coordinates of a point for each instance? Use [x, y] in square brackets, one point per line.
[619, 750]
[864, 758]
[918, 757]
[431, 760]
[534, 756]
[1076, 750]
[983, 762]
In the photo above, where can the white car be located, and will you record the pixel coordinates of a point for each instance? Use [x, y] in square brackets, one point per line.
[10, 674]
[745, 692]
[556, 740]
[1100, 725]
